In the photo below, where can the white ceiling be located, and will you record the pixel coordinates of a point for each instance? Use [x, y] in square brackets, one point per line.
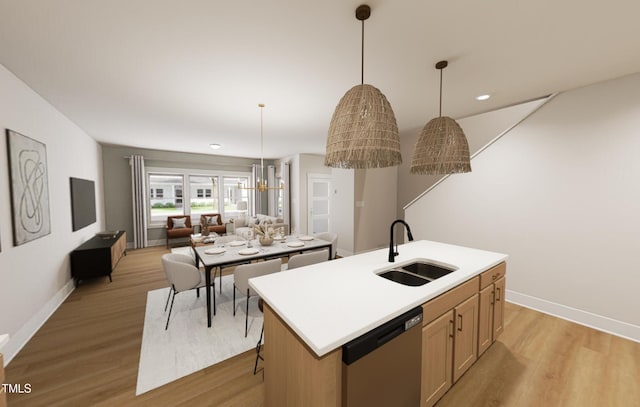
[178, 75]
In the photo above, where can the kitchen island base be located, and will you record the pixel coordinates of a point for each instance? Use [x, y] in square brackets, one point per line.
[295, 375]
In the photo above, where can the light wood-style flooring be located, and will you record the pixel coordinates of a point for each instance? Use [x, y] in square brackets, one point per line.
[87, 354]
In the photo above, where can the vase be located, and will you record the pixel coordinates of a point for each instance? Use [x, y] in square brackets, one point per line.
[265, 240]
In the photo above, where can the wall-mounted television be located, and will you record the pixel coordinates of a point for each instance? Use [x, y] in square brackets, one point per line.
[83, 203]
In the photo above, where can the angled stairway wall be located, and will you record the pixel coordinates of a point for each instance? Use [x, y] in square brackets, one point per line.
[560, 194]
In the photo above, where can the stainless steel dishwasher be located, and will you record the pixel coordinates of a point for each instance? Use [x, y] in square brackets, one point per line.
[383, 367]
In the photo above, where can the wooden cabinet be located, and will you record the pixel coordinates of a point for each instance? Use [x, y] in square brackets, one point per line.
[437, 359]
[498, 309]
[449, 339]
[98, 256]
[491, 308]
[465, 349]
[458, 326]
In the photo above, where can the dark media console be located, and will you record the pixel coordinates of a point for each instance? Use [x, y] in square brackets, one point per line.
[98, 256]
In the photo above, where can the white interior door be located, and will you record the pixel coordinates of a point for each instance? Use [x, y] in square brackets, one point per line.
[318, 187]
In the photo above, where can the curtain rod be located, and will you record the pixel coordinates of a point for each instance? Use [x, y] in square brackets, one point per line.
[127, 157]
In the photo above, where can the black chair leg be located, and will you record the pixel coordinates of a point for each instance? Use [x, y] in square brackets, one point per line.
[170, 309]
[246, 317]
[198, 292]
[167, 304]
[258, 348]
[234, 300]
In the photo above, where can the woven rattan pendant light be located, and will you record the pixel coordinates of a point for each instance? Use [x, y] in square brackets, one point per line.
[363, 132]
[442, 147]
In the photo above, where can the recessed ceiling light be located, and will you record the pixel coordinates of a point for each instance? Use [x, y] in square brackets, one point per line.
[483, 97]
[215, 146]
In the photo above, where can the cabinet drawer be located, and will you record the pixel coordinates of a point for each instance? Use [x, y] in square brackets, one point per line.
[447, 301]
[493, 274]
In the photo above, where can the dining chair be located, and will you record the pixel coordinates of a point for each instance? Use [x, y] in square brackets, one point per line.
[241, 276]
[221, 241]
[306, 259]
[329, 237]
[183, 275]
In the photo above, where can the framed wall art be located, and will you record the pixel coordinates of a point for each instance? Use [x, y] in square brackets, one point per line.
[29, 188]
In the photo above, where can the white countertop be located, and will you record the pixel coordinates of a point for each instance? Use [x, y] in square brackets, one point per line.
[328, 304]
[4, 339]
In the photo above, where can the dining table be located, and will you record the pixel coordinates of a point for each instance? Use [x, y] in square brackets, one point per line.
[242, 251]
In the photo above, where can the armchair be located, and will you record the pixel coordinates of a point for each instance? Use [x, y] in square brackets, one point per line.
[213, 221]
[178, 226]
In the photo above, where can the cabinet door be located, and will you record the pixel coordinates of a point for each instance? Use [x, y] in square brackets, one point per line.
[485, 319]
[437, 359]
[465, 344]
[498, 308]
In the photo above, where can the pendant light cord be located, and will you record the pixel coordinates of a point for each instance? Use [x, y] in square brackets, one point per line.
[261, 147]
[362, 57]
[440, 113]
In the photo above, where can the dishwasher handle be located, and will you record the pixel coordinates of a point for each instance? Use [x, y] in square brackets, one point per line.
[386, 337]
[377, 337]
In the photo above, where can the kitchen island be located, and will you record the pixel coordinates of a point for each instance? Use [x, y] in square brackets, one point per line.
[311, 312]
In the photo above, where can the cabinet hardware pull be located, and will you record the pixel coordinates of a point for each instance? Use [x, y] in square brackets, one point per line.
[460, 323]
[493, 277]
[451, 328]
[493, 297]
[498, 294]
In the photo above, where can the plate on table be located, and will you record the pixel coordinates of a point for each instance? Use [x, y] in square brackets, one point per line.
[236, 243]
[248, 251]
[295, 244]
[215, 250]
[305, 238]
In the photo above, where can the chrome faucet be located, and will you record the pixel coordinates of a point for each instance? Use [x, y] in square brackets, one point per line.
[394, 253]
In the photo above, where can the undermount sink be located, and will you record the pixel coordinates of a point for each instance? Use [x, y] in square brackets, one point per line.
[429, 271]
[402, 277]
[417, 273]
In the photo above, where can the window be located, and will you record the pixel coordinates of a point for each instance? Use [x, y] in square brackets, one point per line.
[164, 199]
[191, 193]
[203, 199]
[236, 200]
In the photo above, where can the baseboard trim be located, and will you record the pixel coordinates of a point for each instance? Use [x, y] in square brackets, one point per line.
[591, 320]
[24, 334]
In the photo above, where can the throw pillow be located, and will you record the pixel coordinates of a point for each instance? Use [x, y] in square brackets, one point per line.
[179, 223]
[211, 221]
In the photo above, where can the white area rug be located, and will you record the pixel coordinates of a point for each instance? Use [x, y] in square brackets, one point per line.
[188, 345]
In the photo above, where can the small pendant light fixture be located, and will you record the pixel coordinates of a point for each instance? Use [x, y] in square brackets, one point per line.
[442, 147]
[363, 132]
[261, 183]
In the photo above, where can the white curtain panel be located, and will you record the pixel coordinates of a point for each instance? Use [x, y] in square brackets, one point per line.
[286, 211]
[257, 199]
[272, 193]
[138, 190]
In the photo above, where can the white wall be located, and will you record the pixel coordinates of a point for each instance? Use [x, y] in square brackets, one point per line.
[35, 277]
[479, 129]
[375, 207]
[560, 194]
[342, 204]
